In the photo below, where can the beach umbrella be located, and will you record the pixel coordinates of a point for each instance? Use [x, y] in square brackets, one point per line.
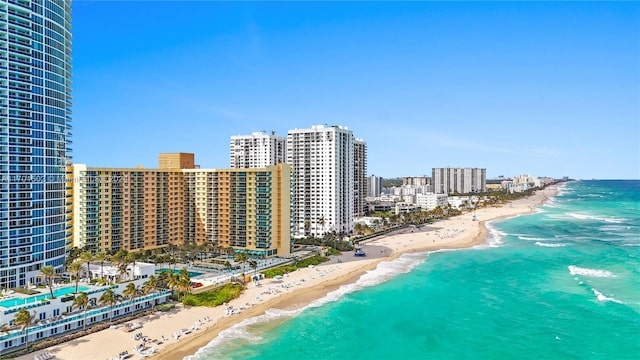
[277, 277]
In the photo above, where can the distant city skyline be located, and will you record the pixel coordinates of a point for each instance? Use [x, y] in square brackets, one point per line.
[547, 89]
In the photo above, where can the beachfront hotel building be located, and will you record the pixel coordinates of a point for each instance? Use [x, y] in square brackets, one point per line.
[322, 161]
[57, 316]
[257, 150]
[359, 177]
[430, 201]
[35, 130]
[459, 180]
[141, 209]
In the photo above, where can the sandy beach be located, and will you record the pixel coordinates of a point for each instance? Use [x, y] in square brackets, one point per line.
[293, 291]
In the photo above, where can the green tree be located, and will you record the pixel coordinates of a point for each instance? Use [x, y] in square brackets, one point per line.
[254, 265]
[130, 292]
[123, 268]
[101, 258]
[86, 257]
[82, 301]
[184, 281]
[72, 255]
[151, 287]
[25, 319]
[48, 273]
[75, 268]
[173, 281]
[110, 299]
[131, 259]
[241, 258]
[307, 228]
[321, 222]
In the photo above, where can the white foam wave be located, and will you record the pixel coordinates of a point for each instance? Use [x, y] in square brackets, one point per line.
[383, 272]
[495, 236]
[574, 270]
[551, 201]
[557, 216]
[594, 217]
[550, 245]
[613, 227]
[563, 190]
[602, 297]
[528, 238]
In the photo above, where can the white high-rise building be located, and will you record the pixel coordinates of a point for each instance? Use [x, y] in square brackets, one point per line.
[257, 150]
[374, 186]
[459, 180]
[322, 196]
[359, 176]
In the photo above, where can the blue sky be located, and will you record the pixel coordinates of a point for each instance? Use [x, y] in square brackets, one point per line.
[538, 88]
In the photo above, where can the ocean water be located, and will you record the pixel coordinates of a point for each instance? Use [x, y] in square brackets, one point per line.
[562, 283]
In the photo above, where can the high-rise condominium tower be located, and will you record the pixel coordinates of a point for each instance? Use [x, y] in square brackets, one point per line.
[142, 209]
[374, 186]
[359, 176]
[35, 124]
[257, 150]
[459, 180]
[323, 173]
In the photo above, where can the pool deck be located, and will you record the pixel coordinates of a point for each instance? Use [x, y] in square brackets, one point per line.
[13, 298]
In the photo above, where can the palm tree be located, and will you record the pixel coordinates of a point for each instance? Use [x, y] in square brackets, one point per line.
[48, 273]
[101, 257]
[184, 281]
[82, 301]
[254, 265]
[321, 222]
[122, 269]
[131, 259]
[241, 258]
[307, 227]
[75, 268]
[5, 328]
[150, 287]
[109, 298]
[173, 281]
[172, 262]
[131, 291]
[25, 319]
[86, 257]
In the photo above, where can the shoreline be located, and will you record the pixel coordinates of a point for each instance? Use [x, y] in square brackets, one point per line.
[298, 289]
[189, 347]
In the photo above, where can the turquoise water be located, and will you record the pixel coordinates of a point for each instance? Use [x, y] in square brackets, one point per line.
[192, 274]
[563, 283]
[32, 299]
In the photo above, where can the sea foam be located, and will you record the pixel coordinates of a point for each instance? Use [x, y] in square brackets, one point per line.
[601, 297]
[495, 236]
[574, 270]
[550, 244]
[529, 238]
[595, 217]
[383, 272]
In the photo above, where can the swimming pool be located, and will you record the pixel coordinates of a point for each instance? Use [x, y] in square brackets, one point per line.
[192, 274]
[35, 298]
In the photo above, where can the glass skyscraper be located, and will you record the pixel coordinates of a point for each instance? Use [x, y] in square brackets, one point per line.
[35, 126]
